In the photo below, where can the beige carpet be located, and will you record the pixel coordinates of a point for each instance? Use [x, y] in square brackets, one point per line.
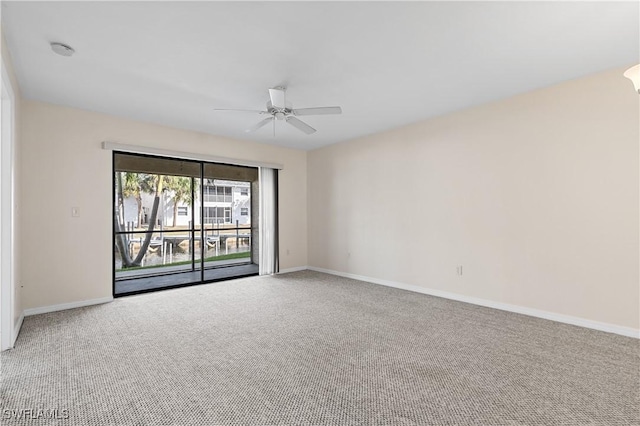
[309, 348]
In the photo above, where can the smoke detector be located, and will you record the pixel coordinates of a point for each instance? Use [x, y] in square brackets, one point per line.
[62, 49]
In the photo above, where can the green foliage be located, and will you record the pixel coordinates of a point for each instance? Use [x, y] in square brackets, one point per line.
[134, 184]
[180, 188]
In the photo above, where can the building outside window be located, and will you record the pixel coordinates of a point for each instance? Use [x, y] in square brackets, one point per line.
[218, 194]
[217, 215]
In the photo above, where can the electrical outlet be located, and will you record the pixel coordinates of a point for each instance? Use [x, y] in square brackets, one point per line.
[459, 270]
[287, 252]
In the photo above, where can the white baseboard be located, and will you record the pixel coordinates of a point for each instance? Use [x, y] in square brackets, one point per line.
[16, 329]
[566, 319]
[294, 269]
[63, 306]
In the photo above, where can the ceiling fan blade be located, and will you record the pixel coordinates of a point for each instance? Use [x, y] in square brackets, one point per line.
[277, 97]
[241, 110]
[258, 125]
[300, 125]
[318, 111]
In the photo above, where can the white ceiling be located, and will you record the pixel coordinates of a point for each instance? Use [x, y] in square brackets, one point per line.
[385, 63]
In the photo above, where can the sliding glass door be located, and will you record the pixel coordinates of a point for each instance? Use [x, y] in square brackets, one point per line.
[179, 222]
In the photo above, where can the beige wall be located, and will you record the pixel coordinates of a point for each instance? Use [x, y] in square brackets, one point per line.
[17, 220]
[536, 196]
[63, 166]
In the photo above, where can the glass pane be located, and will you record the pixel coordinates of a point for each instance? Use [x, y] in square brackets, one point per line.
[140, 253]
[154, 238]
[227, 215]
[153, 202]
[180, 250]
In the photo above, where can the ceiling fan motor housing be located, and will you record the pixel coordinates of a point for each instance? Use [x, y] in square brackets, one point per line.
[279, 113]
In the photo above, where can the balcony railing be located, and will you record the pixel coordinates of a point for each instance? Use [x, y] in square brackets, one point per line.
[213, 198]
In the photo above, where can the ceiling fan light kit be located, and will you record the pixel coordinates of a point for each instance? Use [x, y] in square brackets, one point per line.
[279, 110]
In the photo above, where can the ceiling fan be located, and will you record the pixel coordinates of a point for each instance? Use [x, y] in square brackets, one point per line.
[279, 109]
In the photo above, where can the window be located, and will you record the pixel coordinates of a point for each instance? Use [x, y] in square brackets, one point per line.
[183, 211]
[220, 194]
[244, 191]
[244, 211]
[225, 193]
[217, 215]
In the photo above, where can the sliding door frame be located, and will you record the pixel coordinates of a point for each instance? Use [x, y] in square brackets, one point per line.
[192, 230]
